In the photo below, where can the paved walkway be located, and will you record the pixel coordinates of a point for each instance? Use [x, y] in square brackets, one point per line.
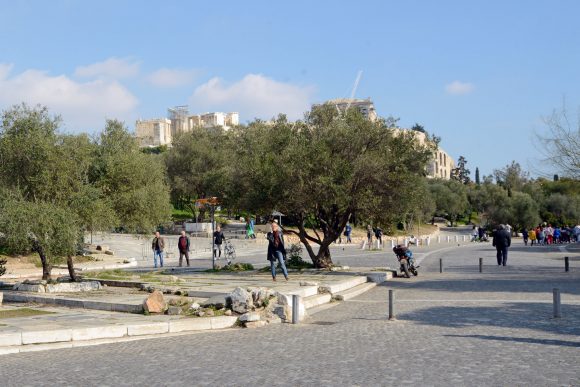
[457, 328]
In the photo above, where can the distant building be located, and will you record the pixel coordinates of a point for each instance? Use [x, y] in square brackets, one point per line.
[441, 165]
[365, 106]
[153, 132]
[161, 131]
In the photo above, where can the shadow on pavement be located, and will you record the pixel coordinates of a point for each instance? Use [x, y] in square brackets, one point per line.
[528, 315]
[528, 340]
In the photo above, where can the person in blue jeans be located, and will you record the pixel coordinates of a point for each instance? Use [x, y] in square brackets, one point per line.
[276, 250]
[158, 245]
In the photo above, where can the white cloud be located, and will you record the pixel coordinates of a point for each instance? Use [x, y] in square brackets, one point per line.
[113, 68]
[82, 105]
[172, 77]
[459, 88]
[254, 96]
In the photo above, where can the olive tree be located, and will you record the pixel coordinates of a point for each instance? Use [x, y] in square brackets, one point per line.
[321, 170]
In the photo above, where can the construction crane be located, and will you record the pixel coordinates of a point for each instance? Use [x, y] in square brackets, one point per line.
[354, 87]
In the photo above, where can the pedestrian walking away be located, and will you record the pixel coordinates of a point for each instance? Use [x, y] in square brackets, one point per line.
[502, 240]
[158, 245]
[379, 236]
[218, 240]
[348, 233]
[525, 235]
[370, 235]
[183, 246]
[276, 250]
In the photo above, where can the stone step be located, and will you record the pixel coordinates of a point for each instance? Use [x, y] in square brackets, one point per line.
[351, 282]
[316, 300]
[303, 291]
[353, 292]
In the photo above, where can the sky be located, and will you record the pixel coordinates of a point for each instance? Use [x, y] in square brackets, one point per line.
[479, 74]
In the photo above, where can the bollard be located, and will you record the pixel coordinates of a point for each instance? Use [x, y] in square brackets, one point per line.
[448, 238]
[391, 304]
[392, 243]
[557, 311]
[480, 265]
[456, 238]
[464, 238]
[438, 238]
[440, 265]
[295, 309]
[566, 264]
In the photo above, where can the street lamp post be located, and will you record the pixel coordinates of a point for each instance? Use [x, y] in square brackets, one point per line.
[212, 204]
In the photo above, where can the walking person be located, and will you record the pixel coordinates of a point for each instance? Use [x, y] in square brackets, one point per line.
[158, 245]
[532, 235]
[525, 235]
[379, 236]
[502, 240]
[183, 246]
[348, 233]
[474, 233]
[218, 240]
[250, 234]
[370, 235]
[276, 250]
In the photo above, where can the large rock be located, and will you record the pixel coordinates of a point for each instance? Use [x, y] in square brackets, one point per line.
[255, 324]
[259, 295]
[155, 303]
[242, 301]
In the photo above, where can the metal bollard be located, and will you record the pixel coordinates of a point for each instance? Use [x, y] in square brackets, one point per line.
[566, 264]
[295, 309]
[481, 265]
[448, 238]
[438, 238]
[391, 304]
[440, 265]
[557, 309]
[464, 238]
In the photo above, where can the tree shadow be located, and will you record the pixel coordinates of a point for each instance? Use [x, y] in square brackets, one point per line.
[527, 340]
[511, 315]
[540, 282]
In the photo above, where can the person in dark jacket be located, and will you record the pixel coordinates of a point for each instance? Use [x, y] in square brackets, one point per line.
[218, 240]
[158, 245]
[276, 250]
[183, 246]
[502, 240]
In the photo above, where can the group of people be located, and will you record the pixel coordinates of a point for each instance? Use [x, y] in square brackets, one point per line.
[377, 232]
[276, 249]
[158, 247]
[545, 234]
[478, 234]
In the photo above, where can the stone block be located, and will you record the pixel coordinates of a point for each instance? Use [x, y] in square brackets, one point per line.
[249, 317]
[155, 303]
[93, 333]
[148, 329]
[35, 288]
[241, 300]
[174, 310]
[223, 322]
[189, 324]
[127, 308]
[50, 336]
[10, 338]
[274, 320]
[69, 302]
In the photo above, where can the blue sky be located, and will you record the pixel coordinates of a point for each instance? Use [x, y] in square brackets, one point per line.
[480, 74]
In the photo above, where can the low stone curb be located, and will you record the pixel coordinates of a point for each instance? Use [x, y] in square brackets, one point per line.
[74, 303]
[58, 272]
[14, 342]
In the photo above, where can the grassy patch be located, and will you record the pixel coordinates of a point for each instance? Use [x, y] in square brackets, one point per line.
[116, 274]
[235, 267]
[22, 312]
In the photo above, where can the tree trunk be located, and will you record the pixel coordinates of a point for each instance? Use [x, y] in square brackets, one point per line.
[46, 266]
[71, 268]
[323, 260]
